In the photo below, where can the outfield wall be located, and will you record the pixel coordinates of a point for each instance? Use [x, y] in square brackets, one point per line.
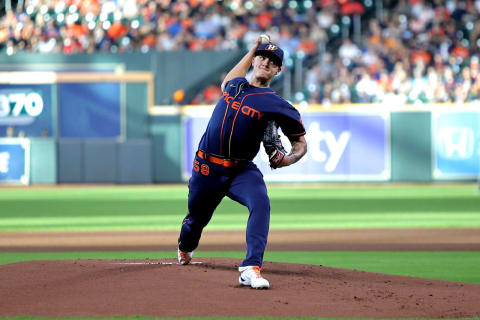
[411, 146]
[173, 70]
[99, 119]
[372, 143]
[344, 145]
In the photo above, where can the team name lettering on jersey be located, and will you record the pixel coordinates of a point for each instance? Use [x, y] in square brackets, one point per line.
[246, 110]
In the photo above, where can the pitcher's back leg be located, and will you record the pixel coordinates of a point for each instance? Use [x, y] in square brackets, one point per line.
[248, 188]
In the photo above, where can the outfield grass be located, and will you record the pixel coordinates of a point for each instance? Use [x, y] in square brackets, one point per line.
[293, 207]
[451, 266]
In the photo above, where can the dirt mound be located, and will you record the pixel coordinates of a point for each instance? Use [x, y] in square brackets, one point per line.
[101, 288]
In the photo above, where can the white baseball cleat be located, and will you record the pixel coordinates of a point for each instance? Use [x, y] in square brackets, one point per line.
[251, 276]
[184, 258]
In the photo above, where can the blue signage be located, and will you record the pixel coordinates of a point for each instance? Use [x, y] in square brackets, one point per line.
[456, 145]
[14, 161]
[90, 110]
[341, 147]
[26, 110]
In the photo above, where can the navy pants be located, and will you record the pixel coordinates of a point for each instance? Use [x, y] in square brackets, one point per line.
[208, 185]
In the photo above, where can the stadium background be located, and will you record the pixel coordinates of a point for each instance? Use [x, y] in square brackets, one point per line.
[98, 95]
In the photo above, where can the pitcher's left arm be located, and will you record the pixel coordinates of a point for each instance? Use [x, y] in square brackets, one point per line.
[299, 149]
[277, 155]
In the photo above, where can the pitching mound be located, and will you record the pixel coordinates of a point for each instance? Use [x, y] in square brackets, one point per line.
[101, 288]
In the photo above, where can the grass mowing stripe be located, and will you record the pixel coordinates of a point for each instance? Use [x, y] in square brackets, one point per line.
[452, 266]
[281, 191]
[164, 192]
[162, 208]
[39, 221]
[120, 207]
[306, 220]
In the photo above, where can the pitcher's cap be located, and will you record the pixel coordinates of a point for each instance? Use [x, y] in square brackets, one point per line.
[272, 51]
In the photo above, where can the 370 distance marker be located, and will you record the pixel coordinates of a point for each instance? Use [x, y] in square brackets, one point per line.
[14, 103]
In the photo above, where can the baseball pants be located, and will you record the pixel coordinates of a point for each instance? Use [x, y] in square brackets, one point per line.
[244, 184]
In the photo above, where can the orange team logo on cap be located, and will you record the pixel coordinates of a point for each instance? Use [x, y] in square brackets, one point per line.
[271, 47]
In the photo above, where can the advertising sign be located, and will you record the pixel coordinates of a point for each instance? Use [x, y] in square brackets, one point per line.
[26, 110]
[456, 144]
[90, 110]
[341, 147]
[14, 161]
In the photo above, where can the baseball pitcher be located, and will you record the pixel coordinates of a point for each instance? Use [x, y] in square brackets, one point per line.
[248, 113]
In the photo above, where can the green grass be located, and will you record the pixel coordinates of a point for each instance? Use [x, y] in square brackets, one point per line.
[299, 207]
[452, 266]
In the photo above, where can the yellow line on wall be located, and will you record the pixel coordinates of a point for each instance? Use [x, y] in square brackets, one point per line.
[40, 77]
[363, 108]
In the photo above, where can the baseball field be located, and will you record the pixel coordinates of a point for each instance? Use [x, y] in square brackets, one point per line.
[358, 251]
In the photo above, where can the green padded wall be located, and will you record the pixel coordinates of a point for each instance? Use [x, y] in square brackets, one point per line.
[136, 110]
[411, 146]
[166, 135]
[43, 161]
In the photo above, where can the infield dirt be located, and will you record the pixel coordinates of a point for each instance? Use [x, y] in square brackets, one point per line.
[162, 288]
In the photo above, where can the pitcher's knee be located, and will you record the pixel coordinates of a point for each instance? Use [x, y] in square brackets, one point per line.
[195, 222]
[259, 202]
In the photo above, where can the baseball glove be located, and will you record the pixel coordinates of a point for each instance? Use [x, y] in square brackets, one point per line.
[273, 145]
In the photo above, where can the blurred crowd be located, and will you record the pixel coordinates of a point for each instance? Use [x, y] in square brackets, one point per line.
[72, 26]
[414, 51]
[421, 52]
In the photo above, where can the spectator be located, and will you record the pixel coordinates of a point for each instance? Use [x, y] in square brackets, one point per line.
[349, 52]
[415, 51]
[10, 132]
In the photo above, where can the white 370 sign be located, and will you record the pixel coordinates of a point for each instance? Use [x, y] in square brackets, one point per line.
[14, 103]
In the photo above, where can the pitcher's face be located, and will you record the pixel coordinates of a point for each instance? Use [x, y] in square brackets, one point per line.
[265, 68]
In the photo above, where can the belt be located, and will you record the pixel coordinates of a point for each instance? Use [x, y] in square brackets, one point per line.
[217, 160]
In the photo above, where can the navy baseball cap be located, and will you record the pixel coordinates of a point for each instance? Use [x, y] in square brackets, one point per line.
[272, 51]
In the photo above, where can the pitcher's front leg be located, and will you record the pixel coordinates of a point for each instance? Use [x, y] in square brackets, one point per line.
[205, 193]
